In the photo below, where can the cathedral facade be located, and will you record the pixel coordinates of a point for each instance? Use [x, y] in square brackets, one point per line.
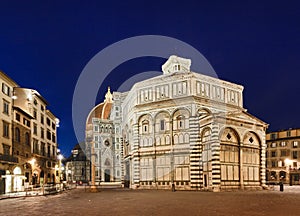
[180, 129]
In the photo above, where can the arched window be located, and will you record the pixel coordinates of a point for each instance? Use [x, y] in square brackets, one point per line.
[206, 135]
[175, 139]
[145, 142]
[181, 119]
[180, 122]
[180, 138]
[17, 134]
[167, 140]
[162, 122]
[27, 138]
[186, 138]
[145, 126]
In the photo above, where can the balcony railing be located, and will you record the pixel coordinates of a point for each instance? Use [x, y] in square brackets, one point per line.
[9, 158]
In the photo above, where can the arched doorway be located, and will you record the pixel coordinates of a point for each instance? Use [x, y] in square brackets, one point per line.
[42, 177]
[34, 178]
[17, 179]
[127, 175]
[282, 175]
[107, 175]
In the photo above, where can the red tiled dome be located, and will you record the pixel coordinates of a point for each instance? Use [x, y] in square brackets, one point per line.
[102, 110]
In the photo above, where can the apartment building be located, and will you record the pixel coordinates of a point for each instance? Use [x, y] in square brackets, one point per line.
[7, 160]
[283, 153]
[28, 150]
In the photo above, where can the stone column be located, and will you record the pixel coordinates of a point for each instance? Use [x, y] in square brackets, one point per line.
[93, 186]
[241, 167]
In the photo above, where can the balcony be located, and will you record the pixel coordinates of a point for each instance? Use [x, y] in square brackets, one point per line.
[8, 158]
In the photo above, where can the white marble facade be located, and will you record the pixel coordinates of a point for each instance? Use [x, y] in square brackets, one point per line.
[180, 128]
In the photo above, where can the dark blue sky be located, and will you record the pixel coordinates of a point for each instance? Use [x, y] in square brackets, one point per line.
[46, 44]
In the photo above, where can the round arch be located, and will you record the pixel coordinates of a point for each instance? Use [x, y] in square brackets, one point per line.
[162, 121]
[203, 112]
[162, 112]
[179, 110]
[180, 118]
[205, 134]
[251, 138]
[229, 134]
[17, 170]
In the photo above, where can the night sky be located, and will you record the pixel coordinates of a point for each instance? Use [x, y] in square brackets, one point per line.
[45, 45]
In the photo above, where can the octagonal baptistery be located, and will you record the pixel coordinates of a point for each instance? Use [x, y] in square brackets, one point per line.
[187, 131]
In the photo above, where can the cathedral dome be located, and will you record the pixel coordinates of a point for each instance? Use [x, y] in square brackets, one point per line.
[102, 110]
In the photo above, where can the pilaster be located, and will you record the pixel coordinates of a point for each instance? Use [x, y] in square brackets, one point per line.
[215, 152]
[195, 153]
[135, 155]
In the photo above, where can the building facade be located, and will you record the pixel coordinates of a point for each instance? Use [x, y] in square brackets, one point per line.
[21, 137]
[43, 135]
[29, 139]
[77, 166]
[7, 161]
[283, 153]
[181, 129]
[100, 129]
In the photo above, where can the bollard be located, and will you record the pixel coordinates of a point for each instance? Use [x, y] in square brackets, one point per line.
[281, 186]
